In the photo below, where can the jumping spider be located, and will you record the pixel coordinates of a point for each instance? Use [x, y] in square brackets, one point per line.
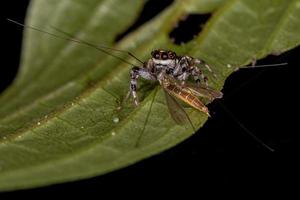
[172, 72]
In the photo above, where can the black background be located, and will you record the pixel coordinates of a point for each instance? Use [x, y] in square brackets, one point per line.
[221, 155]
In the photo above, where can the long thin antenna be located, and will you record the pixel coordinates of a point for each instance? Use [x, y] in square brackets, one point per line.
[250, 80]
[244, 128]
[100, 46]
[263, 66]
[72, 40]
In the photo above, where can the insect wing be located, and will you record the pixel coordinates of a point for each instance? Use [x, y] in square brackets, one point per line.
[203, 91]
[177, 111]
[199, 90]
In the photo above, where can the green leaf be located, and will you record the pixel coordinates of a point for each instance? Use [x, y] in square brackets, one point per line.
[59, 120]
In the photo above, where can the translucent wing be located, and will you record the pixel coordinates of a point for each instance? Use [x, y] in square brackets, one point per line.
[196, 89]
[177, 111]
[183, 93]
[203, 91]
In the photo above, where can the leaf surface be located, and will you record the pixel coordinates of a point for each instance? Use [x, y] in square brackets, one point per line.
[59, 120]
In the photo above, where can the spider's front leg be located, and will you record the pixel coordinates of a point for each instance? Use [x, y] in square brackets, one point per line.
[135, 73]
[182, 71]
[198, 75]
[196, 62]
[188, 67]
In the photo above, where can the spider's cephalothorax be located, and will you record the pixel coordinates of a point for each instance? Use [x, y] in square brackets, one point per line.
[165, 65]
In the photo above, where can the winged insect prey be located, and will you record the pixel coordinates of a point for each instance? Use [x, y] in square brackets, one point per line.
[173, 73]
[180, 77]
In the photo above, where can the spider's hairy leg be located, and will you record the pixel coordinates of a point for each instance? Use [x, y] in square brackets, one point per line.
[197, 61]
[135, 73]
[198, 75]
[183, 77]
[183, 70]
[188, 67]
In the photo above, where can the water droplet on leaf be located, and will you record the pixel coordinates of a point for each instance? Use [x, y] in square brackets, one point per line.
[116, 120]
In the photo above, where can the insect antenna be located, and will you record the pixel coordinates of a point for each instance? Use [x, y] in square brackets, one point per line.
[263, 66]
[243, 127]
[75, 40]
[99, 46]
[241, 86]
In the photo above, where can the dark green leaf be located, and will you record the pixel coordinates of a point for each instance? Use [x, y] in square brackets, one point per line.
[59, 120]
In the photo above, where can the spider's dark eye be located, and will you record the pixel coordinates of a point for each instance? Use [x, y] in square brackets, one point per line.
[164, 55]
[171, 55]
[155, 54]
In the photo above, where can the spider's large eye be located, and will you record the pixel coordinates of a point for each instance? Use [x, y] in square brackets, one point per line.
[155, 54]
[164, 55]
